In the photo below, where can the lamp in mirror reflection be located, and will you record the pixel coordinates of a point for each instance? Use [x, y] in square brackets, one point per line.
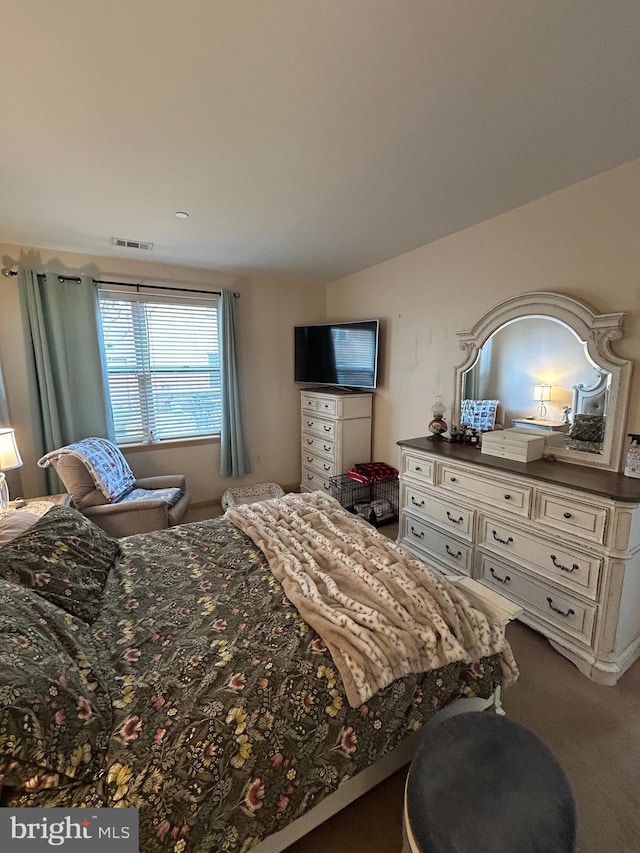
[542, 393]
[9, 458]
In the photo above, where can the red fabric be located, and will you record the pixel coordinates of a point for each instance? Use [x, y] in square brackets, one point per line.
[372, 472]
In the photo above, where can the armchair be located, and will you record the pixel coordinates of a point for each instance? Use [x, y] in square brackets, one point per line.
[103, 487]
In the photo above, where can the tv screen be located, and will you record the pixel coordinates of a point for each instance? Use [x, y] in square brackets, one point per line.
[338, 353]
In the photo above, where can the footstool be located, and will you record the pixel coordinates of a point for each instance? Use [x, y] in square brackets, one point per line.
[482, 782]
[250, 494]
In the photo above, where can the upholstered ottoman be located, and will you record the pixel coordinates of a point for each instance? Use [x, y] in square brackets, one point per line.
[482, 782]
[250, 494]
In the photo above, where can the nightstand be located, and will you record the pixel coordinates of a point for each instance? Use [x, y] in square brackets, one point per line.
[39, 506]
[534, 423]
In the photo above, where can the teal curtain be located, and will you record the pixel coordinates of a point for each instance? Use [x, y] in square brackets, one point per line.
[65, 363]
[234, 455]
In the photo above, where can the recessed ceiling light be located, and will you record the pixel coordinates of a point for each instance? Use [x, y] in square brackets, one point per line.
[180, 214]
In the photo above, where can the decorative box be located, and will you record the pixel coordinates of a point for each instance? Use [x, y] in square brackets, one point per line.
[519, 445]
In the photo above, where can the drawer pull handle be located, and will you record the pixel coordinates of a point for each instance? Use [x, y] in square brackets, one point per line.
[309, 458]
[309, 441]
[554, 560]
[327, 467]
[309, 476]
[327, 428]
[507, 497]
[327, 447]
[418, 469]
[419, 535]
[309, 423]
[452, 553]
[452, 519]
[453, 480]
[506, 541]
[569, 612]
[326, 487]
[415, 502]
[567, 515]
[505, 579]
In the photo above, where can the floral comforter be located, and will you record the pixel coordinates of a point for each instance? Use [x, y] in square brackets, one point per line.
[228, 718]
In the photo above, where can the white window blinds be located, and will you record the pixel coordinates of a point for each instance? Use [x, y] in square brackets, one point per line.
[163, 365]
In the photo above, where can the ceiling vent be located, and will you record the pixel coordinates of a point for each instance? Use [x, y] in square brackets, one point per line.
[131, 244]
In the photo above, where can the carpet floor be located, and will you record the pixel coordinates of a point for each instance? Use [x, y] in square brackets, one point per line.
[594, 732]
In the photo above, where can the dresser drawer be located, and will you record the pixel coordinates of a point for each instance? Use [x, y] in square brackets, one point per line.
[415, 499]
[419, 467]
[515, 498]
[573, 568]
[316, 403]
[449, 550]
[578, 519]
[318, 446]
[318, 426]
[309, 403]
[560, 609]
[313, 481]
[442, 513]
[324, 466]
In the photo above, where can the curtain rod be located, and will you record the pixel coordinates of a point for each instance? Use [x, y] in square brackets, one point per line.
[137, 284]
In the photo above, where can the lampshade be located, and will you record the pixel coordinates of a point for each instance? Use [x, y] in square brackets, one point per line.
[9, 454]
[438, 408]
[542, 393]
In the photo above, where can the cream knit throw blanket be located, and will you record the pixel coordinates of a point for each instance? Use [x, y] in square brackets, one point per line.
[381, 613]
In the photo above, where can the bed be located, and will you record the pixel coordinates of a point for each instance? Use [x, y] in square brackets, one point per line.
[170, 672]
[589, 406]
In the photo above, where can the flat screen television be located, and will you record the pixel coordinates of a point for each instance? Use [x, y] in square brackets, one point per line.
[343, 354]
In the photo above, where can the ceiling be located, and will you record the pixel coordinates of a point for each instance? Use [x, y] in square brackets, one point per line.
[304, 137]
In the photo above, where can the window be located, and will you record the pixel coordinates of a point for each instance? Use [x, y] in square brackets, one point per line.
[163, 365]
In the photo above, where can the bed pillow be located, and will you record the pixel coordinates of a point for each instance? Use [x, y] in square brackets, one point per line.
[587, 428]
[13, 523]
[64, 558]
[55, 711]
[479, 414]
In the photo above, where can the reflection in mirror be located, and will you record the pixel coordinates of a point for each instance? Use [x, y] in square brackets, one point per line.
[543, 360]
[542, 373]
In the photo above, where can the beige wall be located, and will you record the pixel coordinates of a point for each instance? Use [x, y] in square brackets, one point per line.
[583, 241]
[269, 307]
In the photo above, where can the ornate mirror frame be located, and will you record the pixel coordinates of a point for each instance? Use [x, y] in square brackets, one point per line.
[595, 330]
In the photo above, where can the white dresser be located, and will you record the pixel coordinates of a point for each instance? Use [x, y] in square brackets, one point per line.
[561, 540]
[336, 433]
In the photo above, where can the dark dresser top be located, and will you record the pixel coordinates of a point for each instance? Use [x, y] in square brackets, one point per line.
[608, 484]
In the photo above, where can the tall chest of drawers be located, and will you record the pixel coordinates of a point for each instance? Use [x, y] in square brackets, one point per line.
[560, 540]
[336, 433]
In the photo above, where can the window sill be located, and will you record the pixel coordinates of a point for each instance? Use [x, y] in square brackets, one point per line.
[170, 444]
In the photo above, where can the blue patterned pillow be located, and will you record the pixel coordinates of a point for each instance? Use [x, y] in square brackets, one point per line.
[479, 414]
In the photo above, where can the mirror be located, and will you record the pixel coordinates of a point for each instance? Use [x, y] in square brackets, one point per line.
[547, 359]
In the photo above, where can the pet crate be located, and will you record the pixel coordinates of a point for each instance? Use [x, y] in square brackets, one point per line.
[376, 502]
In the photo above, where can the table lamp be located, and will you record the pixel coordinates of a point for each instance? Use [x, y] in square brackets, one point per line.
[9, 458]
[542, 393]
